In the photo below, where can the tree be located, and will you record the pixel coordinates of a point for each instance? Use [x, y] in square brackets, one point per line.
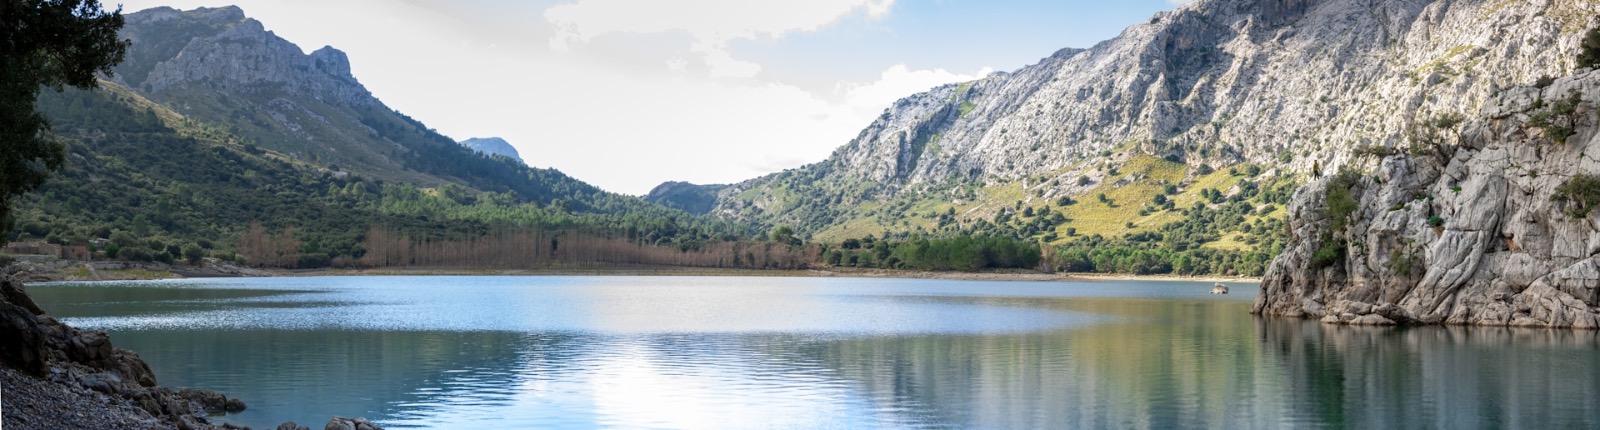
[45, 43]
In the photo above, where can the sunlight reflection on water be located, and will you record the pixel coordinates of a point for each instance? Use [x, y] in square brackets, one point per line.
[584, 352]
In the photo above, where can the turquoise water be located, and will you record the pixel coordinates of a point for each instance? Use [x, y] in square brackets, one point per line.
[730, 352]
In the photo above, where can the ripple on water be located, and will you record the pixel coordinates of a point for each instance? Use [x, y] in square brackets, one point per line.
[465, 352]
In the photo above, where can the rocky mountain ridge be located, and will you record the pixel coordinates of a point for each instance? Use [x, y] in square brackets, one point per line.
[1289, 84]
[224, 70]
[220, 66]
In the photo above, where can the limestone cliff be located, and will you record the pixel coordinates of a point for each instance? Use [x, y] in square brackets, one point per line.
[1287, 83]
[1486, 222]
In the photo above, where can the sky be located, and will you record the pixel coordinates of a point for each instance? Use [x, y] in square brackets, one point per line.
[626, 94]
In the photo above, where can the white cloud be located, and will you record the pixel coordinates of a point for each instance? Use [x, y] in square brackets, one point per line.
[711, 23]
[898, 82]
[622, 129]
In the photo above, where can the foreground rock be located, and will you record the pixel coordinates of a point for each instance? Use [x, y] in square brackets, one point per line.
[59, 377]
[1471, 227]
[342, 423]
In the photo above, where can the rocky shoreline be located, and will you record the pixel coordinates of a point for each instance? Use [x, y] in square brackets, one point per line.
[1474, 229]
[55, 376]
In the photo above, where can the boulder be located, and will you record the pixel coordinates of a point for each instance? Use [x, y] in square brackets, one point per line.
[342, 423]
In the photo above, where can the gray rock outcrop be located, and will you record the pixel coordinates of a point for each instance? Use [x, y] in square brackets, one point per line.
[52, 368]
[342, 423]
[1472, 229]
[493, 146]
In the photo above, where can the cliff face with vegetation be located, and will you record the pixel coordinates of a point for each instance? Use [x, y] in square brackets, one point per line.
[1491, 222]
[1289, 86]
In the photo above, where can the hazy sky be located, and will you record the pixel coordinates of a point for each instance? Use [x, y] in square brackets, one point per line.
[626, 94]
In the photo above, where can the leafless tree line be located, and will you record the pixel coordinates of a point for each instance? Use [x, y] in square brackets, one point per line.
[523, 249]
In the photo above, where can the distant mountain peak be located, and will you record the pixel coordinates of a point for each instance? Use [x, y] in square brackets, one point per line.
[493, 146]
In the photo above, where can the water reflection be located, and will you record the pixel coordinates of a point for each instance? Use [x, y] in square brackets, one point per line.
[998, 356]
[1435, 377]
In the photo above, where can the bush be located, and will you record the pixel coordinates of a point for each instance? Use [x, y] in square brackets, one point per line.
[1589, 50]
[1330, 253]
[1341, 201]
[193, 253]
[1582, 192]
[1560, 119]
[1435, 221]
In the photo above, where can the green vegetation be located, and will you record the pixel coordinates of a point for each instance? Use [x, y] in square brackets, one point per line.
[1340, 205]
[961, 253]
[1582, 193]
[145, 184]
[1589, 50]
[1188, 230]
[46, 44]
[1558, 120]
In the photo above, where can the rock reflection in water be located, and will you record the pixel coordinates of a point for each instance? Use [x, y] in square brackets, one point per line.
[1434, 377]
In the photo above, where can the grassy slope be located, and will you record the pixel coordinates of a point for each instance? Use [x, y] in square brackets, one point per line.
[1134, 187]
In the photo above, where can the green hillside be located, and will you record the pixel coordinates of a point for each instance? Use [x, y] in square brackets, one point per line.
[160, 186]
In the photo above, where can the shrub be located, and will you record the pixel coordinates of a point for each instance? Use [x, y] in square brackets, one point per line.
[1401, 263]
[1435, 221]
[1341, 202]
[1559, 119]
[1582, 191]
[193, 253]
[1330, 253]
[1589, 50]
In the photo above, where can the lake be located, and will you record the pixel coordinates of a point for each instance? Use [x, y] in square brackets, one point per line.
[740, 352]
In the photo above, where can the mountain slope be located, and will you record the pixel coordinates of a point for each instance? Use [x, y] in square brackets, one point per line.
[144, 183]
[218, 66]
[692, 198]
[1289, 86]
[238, 146]
[492, 146]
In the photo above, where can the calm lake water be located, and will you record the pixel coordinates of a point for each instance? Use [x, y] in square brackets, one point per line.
[723, 352]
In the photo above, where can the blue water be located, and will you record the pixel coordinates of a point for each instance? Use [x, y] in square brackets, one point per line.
[732, 352]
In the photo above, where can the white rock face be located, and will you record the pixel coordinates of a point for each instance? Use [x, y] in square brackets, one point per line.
[493, 146]
[1290, 83]
[1508, 252]
[236, 52]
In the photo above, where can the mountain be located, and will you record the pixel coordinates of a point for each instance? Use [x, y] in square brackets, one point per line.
[692, 198]
[219, 66]
[1168, 111]
[493, 146]
[1444, 163]
[218, 139]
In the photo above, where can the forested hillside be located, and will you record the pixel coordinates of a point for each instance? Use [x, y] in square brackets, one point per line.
[145, 183]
